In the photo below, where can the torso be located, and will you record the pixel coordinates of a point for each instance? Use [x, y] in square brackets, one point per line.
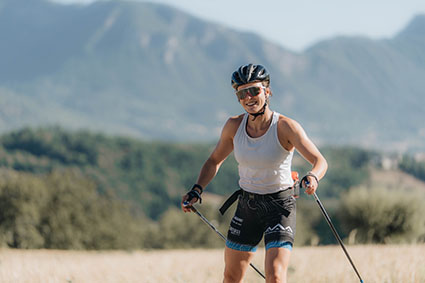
[264, 163]
[283, 128]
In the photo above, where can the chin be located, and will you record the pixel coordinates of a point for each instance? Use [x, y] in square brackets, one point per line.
[255, 108]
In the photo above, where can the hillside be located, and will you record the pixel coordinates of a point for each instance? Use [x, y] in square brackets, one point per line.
[153, 72]
[61, 189]
[153, 176]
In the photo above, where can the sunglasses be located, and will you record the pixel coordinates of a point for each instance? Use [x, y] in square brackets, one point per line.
[251, 91]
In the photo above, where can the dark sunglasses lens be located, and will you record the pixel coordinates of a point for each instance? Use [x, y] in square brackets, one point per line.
[252, 91]
[241, 94]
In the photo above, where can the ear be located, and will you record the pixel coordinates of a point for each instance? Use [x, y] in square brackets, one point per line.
[268, 91]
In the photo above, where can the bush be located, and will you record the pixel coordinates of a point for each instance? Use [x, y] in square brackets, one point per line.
[177, 229]
[63, 210]
[383, 215]
[21, 198]
[307, 216]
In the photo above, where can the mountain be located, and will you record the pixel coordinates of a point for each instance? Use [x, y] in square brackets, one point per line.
[154, 72]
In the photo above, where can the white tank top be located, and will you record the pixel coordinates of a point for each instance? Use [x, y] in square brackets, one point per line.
[264, 165]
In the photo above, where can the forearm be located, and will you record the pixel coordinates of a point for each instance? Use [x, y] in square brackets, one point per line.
[208, 172]
[320, 166]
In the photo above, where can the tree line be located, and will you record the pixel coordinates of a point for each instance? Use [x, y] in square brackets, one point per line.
[152, 175]
[413, 167]
[80, 190]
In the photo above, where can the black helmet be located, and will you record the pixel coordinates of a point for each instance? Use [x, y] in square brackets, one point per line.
[248, 74]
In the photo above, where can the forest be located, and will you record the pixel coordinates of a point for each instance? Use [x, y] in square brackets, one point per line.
[64, 189]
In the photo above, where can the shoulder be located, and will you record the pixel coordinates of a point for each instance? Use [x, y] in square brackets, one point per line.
[289, 131]
[288, 125]
[232, 125]
[234, 122]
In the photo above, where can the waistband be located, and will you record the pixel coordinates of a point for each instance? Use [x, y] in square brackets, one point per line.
[259, 197]
[280, 194]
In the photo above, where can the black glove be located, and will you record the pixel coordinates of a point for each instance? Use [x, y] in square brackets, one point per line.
[194, 194]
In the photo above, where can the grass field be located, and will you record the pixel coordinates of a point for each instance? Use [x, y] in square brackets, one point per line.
[308, 264]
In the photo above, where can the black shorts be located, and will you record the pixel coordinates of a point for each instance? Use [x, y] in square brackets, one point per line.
[271, 215]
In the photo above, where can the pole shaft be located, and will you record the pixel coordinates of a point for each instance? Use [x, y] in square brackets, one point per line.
[209, 224]
[328, 219]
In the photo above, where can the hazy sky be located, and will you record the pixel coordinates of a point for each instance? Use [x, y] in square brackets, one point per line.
[298, 24]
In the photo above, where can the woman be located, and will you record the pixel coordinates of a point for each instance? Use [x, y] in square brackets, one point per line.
[264, 142]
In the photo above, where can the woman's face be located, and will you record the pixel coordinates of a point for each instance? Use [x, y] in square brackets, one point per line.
[252, 96]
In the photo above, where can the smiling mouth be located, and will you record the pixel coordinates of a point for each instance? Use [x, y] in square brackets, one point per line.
[251, 104]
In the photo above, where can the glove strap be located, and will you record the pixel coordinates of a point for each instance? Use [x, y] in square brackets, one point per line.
[306, 180]
[194, 194]
[199, 187]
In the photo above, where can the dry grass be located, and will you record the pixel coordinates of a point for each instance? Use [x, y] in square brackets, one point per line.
[319, 264]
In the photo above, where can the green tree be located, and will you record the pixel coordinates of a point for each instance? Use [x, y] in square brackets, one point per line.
[383, 216]
[411, 166]
[63, 210]
[186, 230]
[21, 198]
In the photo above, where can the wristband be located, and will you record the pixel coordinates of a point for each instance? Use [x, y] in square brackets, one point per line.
[193, 194]
[199, 187]
[312, 174]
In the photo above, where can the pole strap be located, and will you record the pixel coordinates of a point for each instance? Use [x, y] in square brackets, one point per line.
[230, 201]
[194, 194]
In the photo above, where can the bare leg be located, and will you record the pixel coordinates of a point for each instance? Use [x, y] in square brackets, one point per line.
[237, 263]
[277, 262]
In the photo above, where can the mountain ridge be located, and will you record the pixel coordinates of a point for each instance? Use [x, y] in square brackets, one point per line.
[151, 71]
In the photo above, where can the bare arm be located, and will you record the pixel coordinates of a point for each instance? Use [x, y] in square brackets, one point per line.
[222, 150]
[298, 139]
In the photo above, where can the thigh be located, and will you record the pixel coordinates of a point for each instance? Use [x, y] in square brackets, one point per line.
[236, 264]
[276, 264]
[246, 228]
[280, 229]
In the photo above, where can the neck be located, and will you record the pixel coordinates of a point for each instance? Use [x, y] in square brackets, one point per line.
[261, 120]
[259, 113]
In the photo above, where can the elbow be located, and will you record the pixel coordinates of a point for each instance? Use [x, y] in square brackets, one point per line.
[320, 166]
[325, 163]
[324, 166]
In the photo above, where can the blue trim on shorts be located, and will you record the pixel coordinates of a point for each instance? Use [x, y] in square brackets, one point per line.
[278, 244]
[240, 247]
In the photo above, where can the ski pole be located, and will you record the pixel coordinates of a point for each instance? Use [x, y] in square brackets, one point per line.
[328, 219]
[220, 234]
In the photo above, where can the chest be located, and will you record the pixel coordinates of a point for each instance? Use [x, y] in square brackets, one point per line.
[256, 133]
[259, 152]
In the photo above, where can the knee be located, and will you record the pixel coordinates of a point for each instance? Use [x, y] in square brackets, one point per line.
[276, 276]
[232, 276]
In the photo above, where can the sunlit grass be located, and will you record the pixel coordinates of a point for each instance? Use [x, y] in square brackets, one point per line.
[308, 264]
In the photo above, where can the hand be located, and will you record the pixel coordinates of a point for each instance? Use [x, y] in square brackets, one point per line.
[310, 184]
[185, 205]
[189, 199]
